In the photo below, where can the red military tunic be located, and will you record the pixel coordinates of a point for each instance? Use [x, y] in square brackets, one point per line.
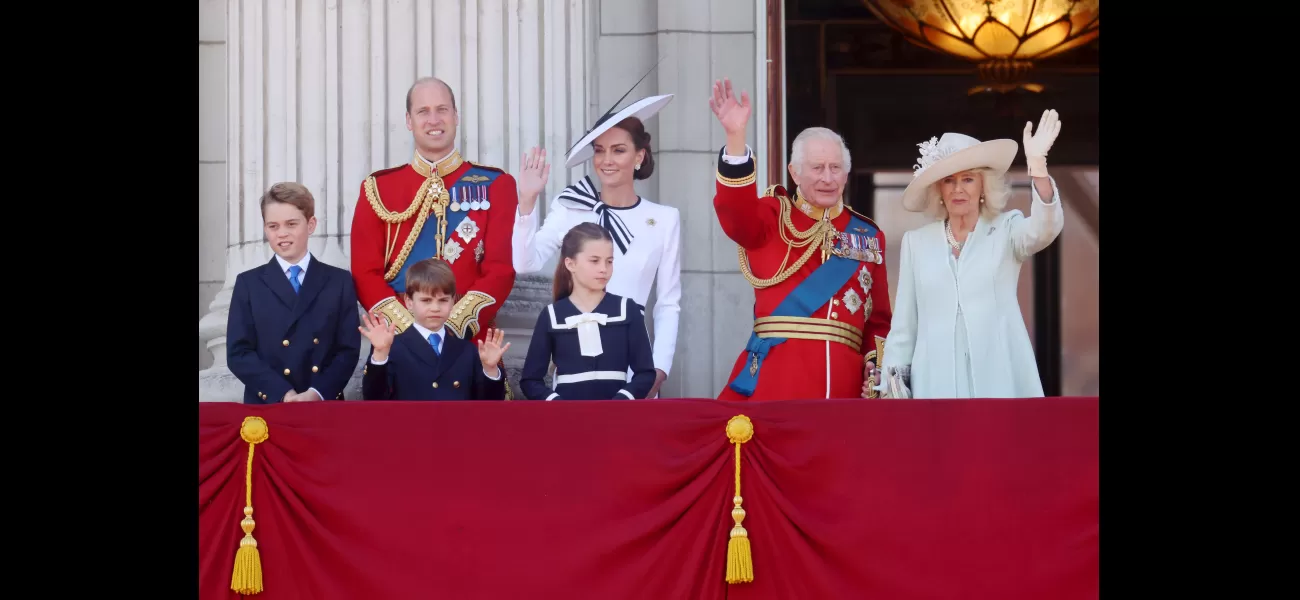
[824, 353]
[464, 214]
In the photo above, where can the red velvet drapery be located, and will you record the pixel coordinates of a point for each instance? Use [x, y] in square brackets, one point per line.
[900, 500]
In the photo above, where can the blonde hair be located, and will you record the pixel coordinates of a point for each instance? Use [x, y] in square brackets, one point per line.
[996, 195]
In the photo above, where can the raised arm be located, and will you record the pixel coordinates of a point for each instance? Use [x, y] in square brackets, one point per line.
[533, 246]
[1046, 219]
[530, 250]
[735, 198]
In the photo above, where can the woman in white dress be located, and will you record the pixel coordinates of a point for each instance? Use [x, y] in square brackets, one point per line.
[647, 236]
[957, 325]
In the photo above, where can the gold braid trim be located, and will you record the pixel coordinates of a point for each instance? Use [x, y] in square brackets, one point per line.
[750, 179]
[821, 231]
[397, 314]
[388, 216]
[431, 197]
[464, 315]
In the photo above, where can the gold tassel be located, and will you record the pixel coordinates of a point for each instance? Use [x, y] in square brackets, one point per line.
[246, 579]
[740, 566]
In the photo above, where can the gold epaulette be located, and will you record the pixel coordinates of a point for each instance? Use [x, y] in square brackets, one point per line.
[464, 315]
[771, 191]
[396, 313]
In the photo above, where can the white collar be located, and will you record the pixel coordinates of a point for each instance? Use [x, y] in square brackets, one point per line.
[442, 333]
[284, 264]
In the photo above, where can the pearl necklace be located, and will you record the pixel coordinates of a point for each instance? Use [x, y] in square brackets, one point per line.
[952, 240]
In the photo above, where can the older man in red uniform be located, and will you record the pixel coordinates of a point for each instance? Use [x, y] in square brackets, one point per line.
[437, 205]
[821, 298]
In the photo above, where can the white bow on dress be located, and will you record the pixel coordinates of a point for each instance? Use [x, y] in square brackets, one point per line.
[588, 326]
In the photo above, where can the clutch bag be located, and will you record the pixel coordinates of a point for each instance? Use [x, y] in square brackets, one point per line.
[896, 382]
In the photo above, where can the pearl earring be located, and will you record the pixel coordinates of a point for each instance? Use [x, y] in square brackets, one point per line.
[981, 199]
[638, 166]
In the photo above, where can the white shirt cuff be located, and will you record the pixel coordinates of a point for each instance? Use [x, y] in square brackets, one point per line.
[497, 378]
[378, 362]
[738, 160]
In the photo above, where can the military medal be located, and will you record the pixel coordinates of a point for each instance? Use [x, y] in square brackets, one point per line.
[455, 205]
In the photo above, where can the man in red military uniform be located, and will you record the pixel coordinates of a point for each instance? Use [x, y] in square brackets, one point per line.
[437, 205]
[821, 298]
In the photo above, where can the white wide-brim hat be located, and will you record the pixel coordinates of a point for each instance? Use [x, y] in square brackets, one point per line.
[642, 109]
[951, 154]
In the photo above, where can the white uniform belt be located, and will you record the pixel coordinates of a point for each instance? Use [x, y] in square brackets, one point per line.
[591, 376]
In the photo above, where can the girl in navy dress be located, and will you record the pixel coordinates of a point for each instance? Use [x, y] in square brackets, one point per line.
[593, 337]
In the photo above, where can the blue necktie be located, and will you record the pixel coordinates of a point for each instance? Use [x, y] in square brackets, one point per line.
[433, 341]
[294, 272]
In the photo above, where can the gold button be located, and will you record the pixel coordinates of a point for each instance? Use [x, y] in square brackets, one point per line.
[435, 385]
[455, 384]
[835, 315]
[314, 369]
[285, 343]
[313, 340]
[286, 371]
[365, 369]
[835, 301]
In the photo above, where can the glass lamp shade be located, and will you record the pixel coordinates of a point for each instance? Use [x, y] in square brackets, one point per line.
[1003, 36]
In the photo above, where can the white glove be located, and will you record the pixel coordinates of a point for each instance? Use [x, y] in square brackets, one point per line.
[1037, 144]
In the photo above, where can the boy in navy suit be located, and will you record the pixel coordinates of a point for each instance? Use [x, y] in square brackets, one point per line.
[424, 362]
[292, 333]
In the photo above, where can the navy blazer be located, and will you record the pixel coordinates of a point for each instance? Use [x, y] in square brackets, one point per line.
[277, 341]
[414, 372]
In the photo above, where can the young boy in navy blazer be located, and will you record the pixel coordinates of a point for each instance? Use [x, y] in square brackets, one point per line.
[292, 332]
[424, 362]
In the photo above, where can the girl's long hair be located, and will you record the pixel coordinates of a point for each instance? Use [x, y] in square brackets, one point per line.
[573, 242]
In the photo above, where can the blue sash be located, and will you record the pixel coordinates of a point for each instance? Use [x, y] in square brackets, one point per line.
[473, 185]
[812, 293]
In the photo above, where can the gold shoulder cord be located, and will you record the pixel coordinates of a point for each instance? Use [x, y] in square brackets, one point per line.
[431, 197]
[821, 231]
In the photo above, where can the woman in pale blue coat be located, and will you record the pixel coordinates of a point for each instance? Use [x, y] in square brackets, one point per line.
[957, 329]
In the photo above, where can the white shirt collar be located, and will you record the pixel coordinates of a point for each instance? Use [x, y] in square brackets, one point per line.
[442, 334]
[435, 163]
[284, 264]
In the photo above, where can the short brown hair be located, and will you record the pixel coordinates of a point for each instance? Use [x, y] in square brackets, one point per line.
[431, 276]
[293, 194]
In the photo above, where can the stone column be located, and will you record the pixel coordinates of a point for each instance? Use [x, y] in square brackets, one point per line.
[701, 41]
[316, 91]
